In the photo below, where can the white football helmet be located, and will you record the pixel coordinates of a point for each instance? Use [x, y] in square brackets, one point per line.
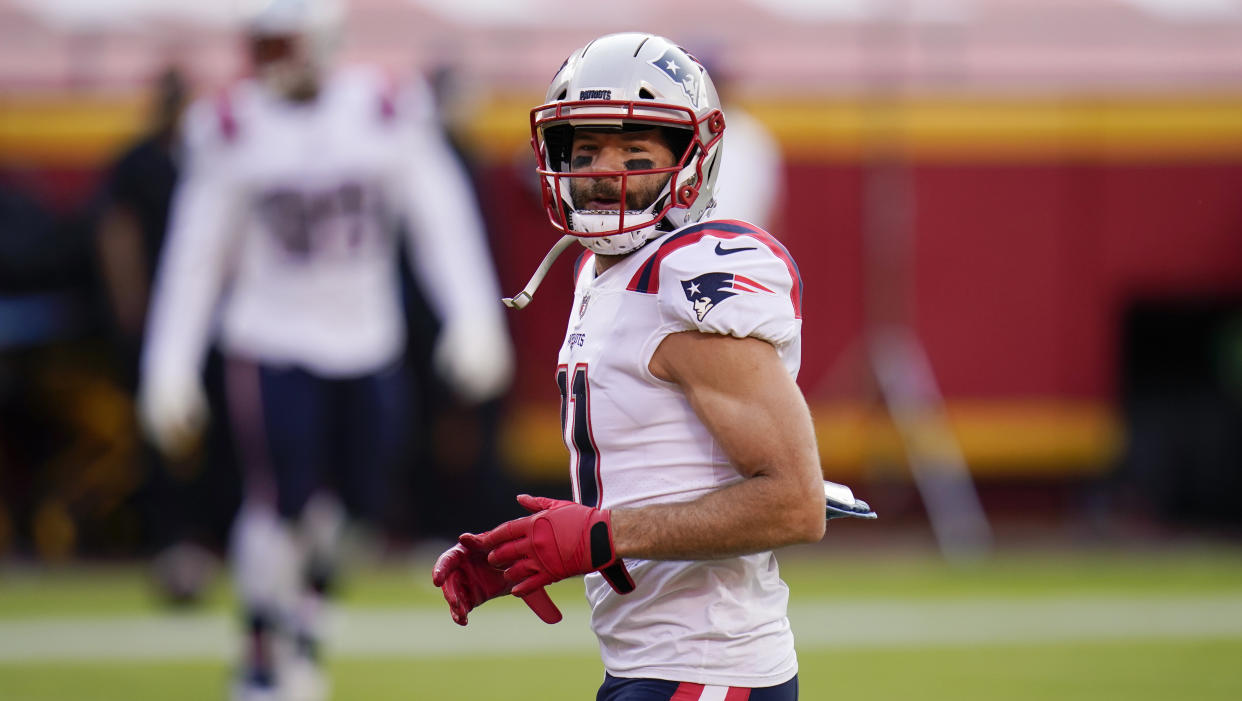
[292, 41]
[620, 81]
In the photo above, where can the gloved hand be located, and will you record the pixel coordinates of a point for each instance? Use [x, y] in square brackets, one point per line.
[467, 581]
[840, 502]
[560, 539]
[173, 414]
[475, 358]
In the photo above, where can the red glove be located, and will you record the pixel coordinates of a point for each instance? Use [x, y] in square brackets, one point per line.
[560, 539]
[466, 580]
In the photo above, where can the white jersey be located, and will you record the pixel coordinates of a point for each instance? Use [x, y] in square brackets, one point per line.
[634, 440]
[282, 229]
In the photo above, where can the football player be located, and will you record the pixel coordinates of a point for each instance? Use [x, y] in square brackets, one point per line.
[282, 247]
[692, 453]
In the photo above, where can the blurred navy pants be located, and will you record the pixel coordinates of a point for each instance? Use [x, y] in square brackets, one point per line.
[298, 433]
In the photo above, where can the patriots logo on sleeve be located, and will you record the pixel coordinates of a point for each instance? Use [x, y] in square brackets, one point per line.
[710, 289]
[674, 65]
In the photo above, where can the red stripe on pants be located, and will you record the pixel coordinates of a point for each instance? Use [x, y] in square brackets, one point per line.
[737, 694]
[687, 692]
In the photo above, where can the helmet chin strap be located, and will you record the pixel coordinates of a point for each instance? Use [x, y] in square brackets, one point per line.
[521, 299]
[614, 244]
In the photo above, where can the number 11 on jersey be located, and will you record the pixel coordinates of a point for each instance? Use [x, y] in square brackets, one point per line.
[576, 430]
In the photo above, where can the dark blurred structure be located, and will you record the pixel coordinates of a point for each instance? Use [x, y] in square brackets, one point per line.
[1182, 402]
[66, 429]
[185, 504]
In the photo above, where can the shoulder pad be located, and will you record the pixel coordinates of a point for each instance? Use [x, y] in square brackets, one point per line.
[388, 100]
[225, 104]
[378, 87]
[725, 277]
[719, 245]
[217, 118]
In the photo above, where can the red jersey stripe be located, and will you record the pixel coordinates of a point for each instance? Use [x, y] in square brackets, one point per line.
[583, 258]
[755, 286]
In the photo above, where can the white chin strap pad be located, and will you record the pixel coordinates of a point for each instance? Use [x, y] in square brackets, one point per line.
[608, 245]
[615, 244]
[594, 222]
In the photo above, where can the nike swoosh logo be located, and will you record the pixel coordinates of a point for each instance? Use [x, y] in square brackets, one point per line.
[721, 251]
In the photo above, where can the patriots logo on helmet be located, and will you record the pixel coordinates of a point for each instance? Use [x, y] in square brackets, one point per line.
[684, 72]
[710, 289]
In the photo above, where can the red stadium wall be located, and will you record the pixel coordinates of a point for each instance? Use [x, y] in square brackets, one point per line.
[1028, 244]
[1021, 275]
[1023, 270]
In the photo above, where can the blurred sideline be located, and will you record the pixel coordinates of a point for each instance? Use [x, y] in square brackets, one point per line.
[375, 632]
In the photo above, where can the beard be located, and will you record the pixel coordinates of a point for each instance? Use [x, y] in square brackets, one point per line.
[637, 197]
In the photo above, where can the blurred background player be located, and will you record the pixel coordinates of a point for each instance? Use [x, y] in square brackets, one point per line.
[184, 503]
[283, 239]
[134, 215]
[752, 167]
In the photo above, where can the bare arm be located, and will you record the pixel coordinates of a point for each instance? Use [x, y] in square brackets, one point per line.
[124, 267]
[750, 404]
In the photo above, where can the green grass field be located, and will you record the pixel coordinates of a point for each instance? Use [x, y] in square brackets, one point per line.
[1049, 625]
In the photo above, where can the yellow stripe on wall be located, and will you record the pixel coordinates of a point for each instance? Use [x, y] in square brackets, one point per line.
[66, 131]
[997, 439]
[1002, 130]
[81, 131]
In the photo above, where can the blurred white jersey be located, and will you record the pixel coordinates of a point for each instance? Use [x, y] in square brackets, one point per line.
[285, 218]
[751, 179]
[634, 440]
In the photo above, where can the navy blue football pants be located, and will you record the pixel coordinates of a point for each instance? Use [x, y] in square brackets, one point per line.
[299, 433]
[618, 689]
